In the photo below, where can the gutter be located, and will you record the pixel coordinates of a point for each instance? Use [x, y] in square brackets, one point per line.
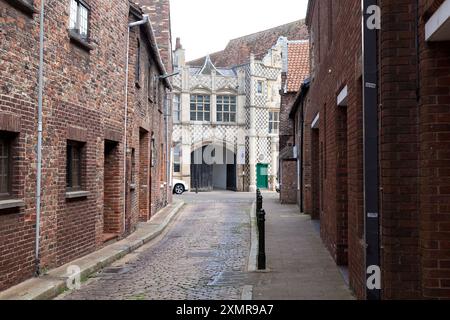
[39, 144]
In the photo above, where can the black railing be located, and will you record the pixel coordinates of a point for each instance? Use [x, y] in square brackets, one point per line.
[261, 219]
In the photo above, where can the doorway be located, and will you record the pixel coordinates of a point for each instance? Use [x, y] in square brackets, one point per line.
[111, 192]
[262, 176]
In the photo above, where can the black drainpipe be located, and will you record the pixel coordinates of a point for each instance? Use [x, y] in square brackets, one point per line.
[371, 178]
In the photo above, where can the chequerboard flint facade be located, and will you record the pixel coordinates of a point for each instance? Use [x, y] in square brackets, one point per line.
[229, 107]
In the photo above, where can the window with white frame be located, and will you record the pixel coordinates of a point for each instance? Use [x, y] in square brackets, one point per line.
[226, 109]
[176, 108]
[177, 158]
[79, 18]
[200, 108]
[274, 122]
[260, 87]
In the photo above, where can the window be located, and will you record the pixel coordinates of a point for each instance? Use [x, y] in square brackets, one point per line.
[200, 108]
[226, 109]
[79, 18]
[176, 108]
[177, 158]
[162, 167]
[74, 166]
[274, 122]
[5, 166]
[137, 70]
[133, 166]
[260, 87]
[153, 151]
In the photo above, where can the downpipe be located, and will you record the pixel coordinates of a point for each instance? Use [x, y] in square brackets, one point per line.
[125, 142]
[39, 143]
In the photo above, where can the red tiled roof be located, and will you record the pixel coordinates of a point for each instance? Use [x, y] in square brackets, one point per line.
[298, 65]
[238, 50]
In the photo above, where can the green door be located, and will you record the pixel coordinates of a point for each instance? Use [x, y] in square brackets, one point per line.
[262, 176]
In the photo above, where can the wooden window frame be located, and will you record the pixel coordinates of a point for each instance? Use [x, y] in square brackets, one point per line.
[177, 108]
[69, 165]
[77, 29]
[196, 110]
[229, 112]
[7, 138]
[273, 122]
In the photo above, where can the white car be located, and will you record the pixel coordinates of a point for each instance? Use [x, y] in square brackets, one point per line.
[179, 186]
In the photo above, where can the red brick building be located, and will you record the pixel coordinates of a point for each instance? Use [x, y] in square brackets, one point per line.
[90, 192]
[295, 71]
[413, 142]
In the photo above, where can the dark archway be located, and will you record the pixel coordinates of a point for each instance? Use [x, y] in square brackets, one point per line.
[220, 175]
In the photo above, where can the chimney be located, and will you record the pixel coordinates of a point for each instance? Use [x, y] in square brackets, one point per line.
[179, 55]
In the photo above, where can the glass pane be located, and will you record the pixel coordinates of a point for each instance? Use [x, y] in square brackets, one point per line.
[193, 116]
[219, 117]
[226, 117]
[233, 108]
[270, 116]
[73, 14]
[233, 117]
[207, 107]
[83, 21]
[4, 166]
[219, 107]
[193, 106]
[207, 117]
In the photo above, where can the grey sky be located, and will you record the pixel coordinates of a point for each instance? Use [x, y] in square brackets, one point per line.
[206, 26]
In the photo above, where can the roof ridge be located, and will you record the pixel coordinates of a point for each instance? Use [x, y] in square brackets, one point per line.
[255, 33]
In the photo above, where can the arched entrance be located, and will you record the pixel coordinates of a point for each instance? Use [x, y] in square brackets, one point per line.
[213, 168]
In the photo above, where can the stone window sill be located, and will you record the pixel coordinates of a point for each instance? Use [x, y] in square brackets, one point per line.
[77, 194]
[23, 6]
[11, 203]
[79, 41]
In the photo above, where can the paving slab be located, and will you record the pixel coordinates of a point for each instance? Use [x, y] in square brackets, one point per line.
[299, 266]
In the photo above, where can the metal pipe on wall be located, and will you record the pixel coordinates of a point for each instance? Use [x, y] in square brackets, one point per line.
[127, 71]
[39, 143]
[371, 170]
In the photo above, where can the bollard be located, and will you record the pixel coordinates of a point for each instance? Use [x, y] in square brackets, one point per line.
[261, 218]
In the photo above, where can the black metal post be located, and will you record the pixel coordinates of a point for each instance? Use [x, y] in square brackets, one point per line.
[262, 241]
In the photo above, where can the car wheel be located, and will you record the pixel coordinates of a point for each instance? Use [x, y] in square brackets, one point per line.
[179, 189]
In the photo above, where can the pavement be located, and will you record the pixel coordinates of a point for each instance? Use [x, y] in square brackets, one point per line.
[56, 281]
[299, 266]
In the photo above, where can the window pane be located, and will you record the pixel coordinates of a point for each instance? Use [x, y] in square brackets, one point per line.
[83, 21]
[73, 14]
[207, 117]
[219, 117]
[4, 166]
[226, 117]
[233, 117]
[193, 116]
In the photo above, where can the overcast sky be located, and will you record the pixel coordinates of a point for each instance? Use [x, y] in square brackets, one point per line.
[206, 26]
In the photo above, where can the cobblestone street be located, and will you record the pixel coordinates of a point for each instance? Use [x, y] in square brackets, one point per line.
[203, 255]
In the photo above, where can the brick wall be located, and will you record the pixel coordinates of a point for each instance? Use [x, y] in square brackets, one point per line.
[333, 151]
[434, 181]
[413, 145]
[83, 101]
